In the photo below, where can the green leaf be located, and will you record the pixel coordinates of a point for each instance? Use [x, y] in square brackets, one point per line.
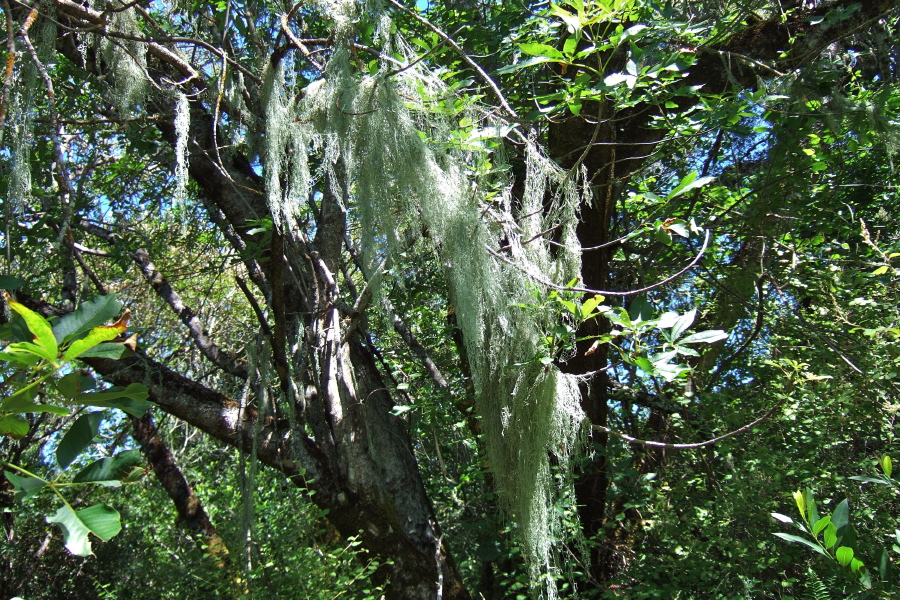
[15, 426]
[44, 341]
[103, 520]
[75, 533]
[865, 580]
[73, 384]
[684, 321]
[887, 464]
[542, 50]
[662, 236]
[670, 372]
[830, 538]
[22, 404]
[90, 314]
[841, 517]
[8, 282]
[867, 479]
[113, 468]
[782, 518]
[617, 78]
[640, 309]
[884, 565]
[77, 438]
[667, 320]
[844, 555]
[132, 399]
[113, 350]
[707, 337]
[690, 182]
[24, 487]
[821, 524]
[588, 306]
[800, 501]
[645, 365]
[799, 540]
[96, 336]
[680, 229]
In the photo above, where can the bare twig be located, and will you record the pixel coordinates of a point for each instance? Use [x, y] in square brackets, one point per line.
[462, 53]
[715, 440]
[565, 288]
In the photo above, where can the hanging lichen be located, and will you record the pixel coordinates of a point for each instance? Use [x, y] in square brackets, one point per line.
[125, 61]
[182, 125]
[369, 130]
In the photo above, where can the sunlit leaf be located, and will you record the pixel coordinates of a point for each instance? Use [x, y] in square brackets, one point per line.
[111, 468]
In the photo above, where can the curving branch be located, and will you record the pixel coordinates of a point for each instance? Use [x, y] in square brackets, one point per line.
[715, 440]
[584, 290]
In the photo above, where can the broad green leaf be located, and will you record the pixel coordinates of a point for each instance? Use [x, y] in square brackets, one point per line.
[887, 464]
[799, 540]
[18, 358]
[114, 350]
[24, 487]
[69, 386]
[8, 282]
[90, 314]
[683, 323]
[23, 404]
[77, 438]
[690, 182]
[844, 555]
[663, 357]
[662, 236]
[884, 565]
[570, 306]
[97, 335]
[821, 524]
[631, 32]
[102, 519]
[782, 518]
[572, 22]
[75, 533]
[865, 580]
[841, 516]
[542, 50]
[680, 229]
[800, 500]
[617, 78]
[709, 336]
[131, 399]
[640, 309]
[668, 320]
[811, 510]
[40, 329]
[831, 537]
[30, 348]
[113, 468]
[645, 365]
[588, 306]
[15, 426]
[670, 372]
